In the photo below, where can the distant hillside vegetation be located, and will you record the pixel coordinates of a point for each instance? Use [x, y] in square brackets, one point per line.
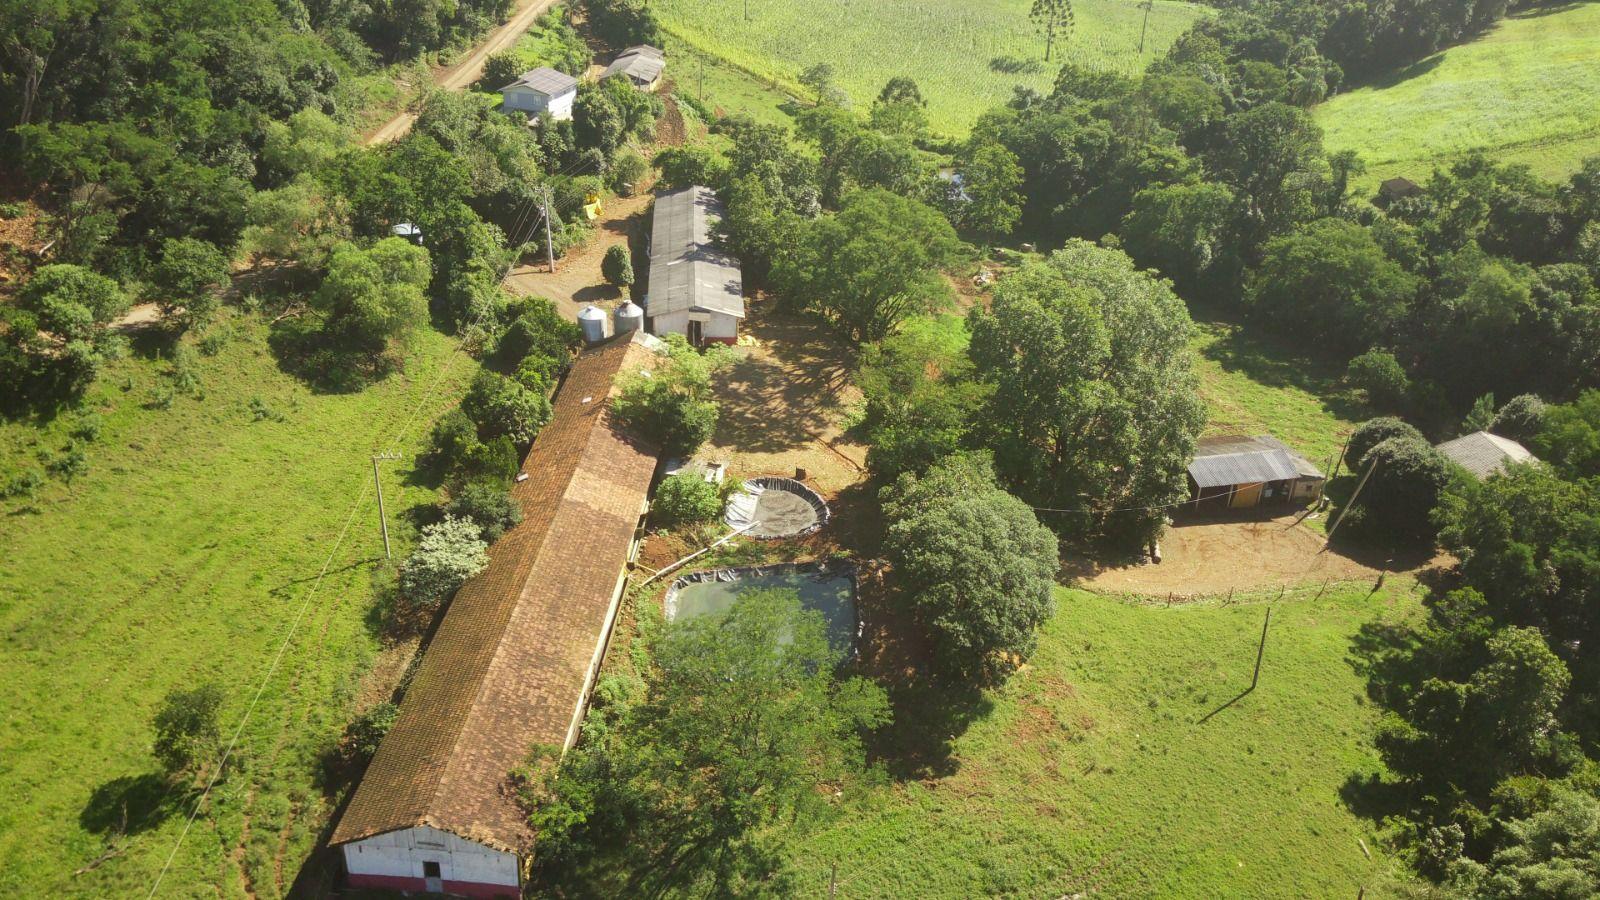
[1524, 93]
[965, 56]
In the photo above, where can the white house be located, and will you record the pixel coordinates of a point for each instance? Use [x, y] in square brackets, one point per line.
[695, 288]
[539, 91]
[642, 65]
[514, 659]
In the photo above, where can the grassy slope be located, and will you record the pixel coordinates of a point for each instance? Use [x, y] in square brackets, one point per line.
[946, 46]
[182, 556]
[1525, 93]
[1251, 385]
[1092, 775]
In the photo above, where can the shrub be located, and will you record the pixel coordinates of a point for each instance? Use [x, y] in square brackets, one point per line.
[11, 210]
[1398, 502]
[449, 553]
[672, 406]
[503, 407]
[538, 373]
[617, 266]
[454, 436]
[87, 427]
[69, 464]
[1521, 419]
[1378, 374]
[488, 504]
[369, 729]
[189, 274]
[24, 484]
[187, 731]
[1481, 416]
[1373, 432]
[502, 68]
[261, 411]
[685, 499]
[627, 171]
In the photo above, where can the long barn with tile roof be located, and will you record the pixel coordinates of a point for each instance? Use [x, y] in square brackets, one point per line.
[514, 658]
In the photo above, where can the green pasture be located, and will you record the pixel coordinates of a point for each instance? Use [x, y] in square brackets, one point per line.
[1126, 761]
[947, 47]
[184, 554]
[1525, 92]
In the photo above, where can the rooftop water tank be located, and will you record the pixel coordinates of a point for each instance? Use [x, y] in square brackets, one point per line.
[628, 317]
[593, 322]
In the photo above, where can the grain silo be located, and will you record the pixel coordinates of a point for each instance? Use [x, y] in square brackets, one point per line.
[593, 322]
[628, 317]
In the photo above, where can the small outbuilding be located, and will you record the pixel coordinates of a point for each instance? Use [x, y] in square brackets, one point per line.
[1484, 454]
[1237, 472]
[695, 288]
[539, 91]
[1397, 189]
[641, 65]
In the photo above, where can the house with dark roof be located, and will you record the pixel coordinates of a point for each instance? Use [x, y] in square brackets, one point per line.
[1236, 472]
[539, 91]
[514, 658]
[695, 287]
[1484, 454]
[641, 65]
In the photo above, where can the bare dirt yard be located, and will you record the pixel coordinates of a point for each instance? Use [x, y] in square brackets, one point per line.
[1211, 556]
[577, 281]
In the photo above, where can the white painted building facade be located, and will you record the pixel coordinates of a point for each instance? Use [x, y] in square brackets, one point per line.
[540, 91]
[427, 859]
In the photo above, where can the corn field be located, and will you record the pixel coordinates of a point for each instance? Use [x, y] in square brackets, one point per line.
[948, 47]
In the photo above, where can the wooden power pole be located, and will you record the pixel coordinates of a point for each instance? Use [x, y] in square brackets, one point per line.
[383, 519]
[549, 243]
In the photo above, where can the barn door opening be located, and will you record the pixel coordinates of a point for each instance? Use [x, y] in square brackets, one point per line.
[433, 884]
[697, 335]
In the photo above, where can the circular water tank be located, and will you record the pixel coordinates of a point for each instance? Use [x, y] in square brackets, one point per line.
[408, 231]
[628, 317]
[593, 322]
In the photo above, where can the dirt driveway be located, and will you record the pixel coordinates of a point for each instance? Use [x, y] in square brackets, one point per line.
[577, 281]
[783, 402]
[1215, 556]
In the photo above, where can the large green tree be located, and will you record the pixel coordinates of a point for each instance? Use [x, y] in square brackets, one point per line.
[973, 561]
[871, 265]
[1094, 409]
[741, 723]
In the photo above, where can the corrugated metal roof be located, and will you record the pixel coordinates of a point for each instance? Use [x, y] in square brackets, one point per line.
[546, 81]
[507, 667]
[688, 271]
[640, 67]
[1235, 459]
[1484, 454]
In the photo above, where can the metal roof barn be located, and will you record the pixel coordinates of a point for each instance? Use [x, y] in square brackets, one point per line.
[688, 271]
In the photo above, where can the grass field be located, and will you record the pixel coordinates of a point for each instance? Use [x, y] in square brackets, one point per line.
[1525, 93]
[183, 555]
[1093, 774]
[1253, 385]
[946, 46]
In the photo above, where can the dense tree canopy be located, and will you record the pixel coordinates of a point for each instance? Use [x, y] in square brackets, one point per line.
[974, 562]
[1093, 409]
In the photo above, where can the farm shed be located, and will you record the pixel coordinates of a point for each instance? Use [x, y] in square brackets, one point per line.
[695, 287]
[514, 659]
[1397, 189]
[1235, 472]
[1484, 454]
[539, 91]
[641, 65]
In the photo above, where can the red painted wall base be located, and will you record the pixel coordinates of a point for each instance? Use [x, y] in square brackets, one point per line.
[476, 890]
[722, 340]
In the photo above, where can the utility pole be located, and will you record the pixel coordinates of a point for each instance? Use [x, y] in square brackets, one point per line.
[1144, 30]
[747, 10]
[1261, 649]
[1347, 507]
[549, 243]
[383, 520]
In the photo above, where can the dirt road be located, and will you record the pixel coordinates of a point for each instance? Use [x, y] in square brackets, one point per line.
[470, 68]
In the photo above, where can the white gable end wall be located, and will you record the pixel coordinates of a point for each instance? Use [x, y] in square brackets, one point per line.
[397, 860]
[523, 99]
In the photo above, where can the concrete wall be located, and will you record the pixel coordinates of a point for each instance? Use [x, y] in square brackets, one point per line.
[533, 102]
[719, 327]
[395, 860]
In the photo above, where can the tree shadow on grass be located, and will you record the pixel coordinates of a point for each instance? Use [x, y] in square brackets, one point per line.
[304, 352]
[1265, 360]
[130, 804]
[928, 718]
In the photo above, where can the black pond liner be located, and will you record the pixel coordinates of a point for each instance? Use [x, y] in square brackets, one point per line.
[776, 508]
[810, 579]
